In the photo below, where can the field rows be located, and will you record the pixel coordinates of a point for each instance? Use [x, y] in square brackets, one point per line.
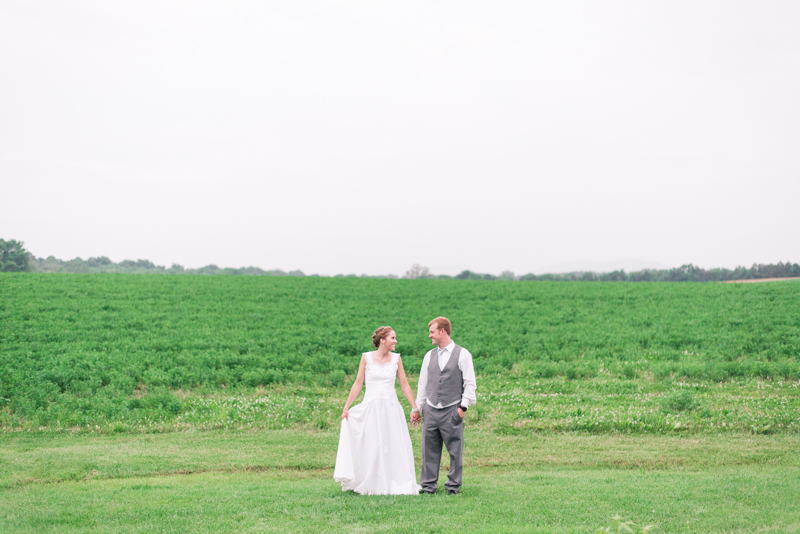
[130, 353]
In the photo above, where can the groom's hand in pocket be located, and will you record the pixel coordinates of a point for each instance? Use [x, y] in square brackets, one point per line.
[461, 413]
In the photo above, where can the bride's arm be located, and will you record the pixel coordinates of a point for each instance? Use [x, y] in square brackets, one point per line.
[401, 375]
[356, 389]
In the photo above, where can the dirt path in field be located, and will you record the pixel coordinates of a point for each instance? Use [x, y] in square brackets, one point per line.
[753, 280]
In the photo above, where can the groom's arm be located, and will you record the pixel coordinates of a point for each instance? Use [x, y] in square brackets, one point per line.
[468, 375]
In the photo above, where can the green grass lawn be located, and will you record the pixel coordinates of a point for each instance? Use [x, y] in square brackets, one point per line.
[239, 481]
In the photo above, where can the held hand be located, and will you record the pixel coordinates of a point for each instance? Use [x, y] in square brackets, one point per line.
[345, 414]
[415, 417]
[461, 413]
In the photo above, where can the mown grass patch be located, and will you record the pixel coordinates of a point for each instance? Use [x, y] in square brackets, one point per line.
[281, 481]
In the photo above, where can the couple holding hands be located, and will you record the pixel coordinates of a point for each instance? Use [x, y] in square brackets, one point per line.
[375, 456]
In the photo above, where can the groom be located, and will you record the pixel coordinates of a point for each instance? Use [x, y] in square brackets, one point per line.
[446, 389]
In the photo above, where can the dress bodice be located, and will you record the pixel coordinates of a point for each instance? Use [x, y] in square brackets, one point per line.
[379, 378]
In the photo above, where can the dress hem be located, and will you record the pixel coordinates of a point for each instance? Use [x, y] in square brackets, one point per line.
[349, 483]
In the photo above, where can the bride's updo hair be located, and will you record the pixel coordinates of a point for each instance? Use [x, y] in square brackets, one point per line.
[381, 333]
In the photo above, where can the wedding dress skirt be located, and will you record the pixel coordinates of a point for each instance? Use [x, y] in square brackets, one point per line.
[375, 456]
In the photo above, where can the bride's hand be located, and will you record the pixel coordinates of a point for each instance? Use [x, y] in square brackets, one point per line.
[345, 414]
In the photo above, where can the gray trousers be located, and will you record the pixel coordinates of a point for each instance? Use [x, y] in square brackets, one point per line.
[441, 426]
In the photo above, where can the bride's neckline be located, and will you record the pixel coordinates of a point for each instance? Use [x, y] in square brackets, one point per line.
[372, 356]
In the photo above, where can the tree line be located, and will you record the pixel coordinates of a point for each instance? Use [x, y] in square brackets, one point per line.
[14, 258]
[684, 273]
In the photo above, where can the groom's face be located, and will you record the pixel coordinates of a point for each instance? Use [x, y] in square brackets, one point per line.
[436, 334]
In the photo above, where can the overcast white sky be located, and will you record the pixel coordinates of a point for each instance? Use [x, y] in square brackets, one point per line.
[362, 137]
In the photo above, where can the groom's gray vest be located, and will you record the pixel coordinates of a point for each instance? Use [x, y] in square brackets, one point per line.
[445, 385]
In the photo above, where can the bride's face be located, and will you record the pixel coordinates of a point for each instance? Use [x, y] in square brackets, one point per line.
[390, 340]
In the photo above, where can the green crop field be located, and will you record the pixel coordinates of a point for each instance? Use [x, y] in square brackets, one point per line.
[119, 352]
[201, 402]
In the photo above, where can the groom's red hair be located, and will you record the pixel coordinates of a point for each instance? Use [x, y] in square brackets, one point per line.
[442, 323]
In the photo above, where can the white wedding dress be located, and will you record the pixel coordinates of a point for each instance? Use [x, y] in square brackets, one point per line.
[375, 455]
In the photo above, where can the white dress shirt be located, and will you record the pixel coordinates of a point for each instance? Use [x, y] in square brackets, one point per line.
[467, 374]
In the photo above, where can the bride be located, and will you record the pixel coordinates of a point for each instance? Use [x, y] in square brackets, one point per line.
[375, 455]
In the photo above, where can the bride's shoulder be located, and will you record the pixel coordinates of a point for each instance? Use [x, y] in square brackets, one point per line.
[395, 356]
[366, 356]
